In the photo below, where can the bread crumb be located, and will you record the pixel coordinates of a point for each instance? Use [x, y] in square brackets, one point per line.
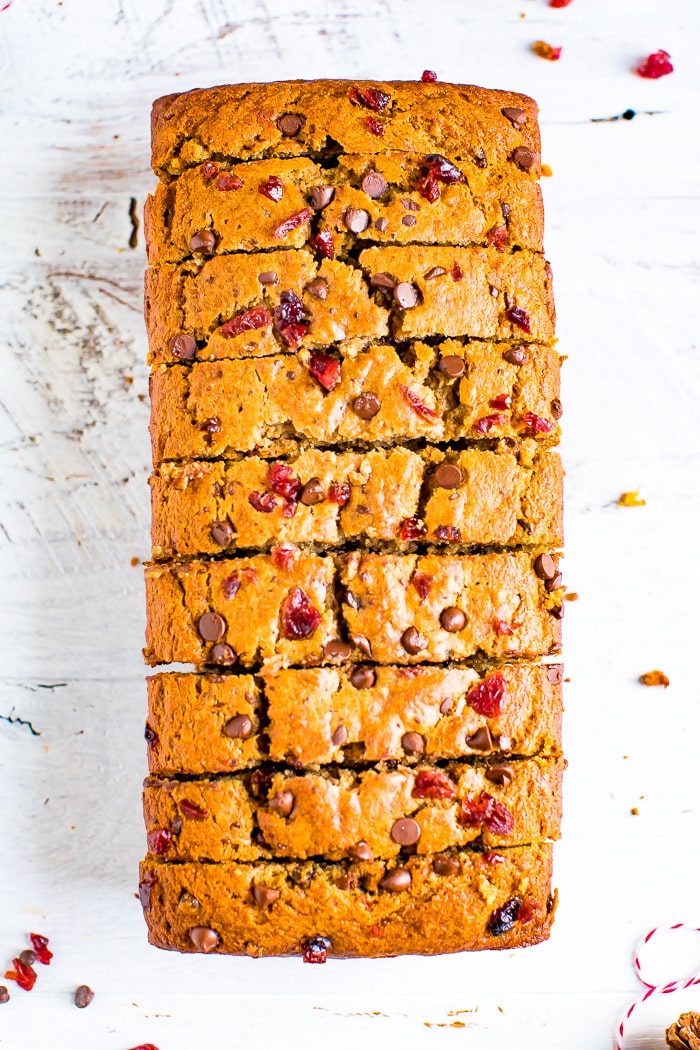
[572, 596]
[631, 499]
[545, 50]
[634, 811]
[655, 678]
[134, 561]
[546, 171]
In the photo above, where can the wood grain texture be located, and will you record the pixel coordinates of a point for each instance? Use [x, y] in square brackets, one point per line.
[622, 233]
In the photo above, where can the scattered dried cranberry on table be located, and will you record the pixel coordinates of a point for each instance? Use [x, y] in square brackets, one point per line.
[656, 65]
[544, 50]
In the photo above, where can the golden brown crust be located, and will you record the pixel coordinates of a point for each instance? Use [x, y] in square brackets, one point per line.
[317, 716]
[464, 911]
[239, 121]
[205, 507]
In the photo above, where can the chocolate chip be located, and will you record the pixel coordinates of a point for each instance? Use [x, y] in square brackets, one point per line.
[339, 737]
[182, 346]
[480, 741]
[381, 224]
[4, 994]
[264, 896]
[557, 410]
[448, 476]
[451, 366]
[493, 291]
[356, 219]
[27, 957]
[239, 727]
[382, 280]
[500, 774]
[291, 123]
[406, 295]
[176, 825]
[516, 355]
[366, 405]
[557, 612]
[222, 655]
[83, 996]
[452, 619]
[222, 532]
[435, 271]
[337, 650]
[347, 882]
[409, 220]
[268, 277]
[313, 492]
[554, 583]
[282, 803]
[374, 184]
[480, 158]
[363, 678]
[204, 939]
[413, 743]
[413, 641]
[505, 209]
[545, 567]
[361, 851]
[351, 599]
[318, 288]
[446, 706]
[523, 157]
[212, 627]
[555, 673]
[203, 241]
[361, 642]
[396, 880]
[405, 831]
[445, 865]
[517, 117]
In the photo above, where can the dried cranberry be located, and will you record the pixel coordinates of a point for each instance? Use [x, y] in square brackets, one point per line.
[228, 182]
[192, 811]
[299, 617]
[451, 533]
[145, 1046]
[537, 424]
[272, 188]
[418, 406]
[260, 783]
[487, 697]
[159, 841]
[145, 886]
[209, 169]
[428, 77]
[527, 910]
[283, 481]
[284, 555]
[655, 66]
[289, 508]
[291, 319]
[501, 402]
[559, 3]
[457, 273]
[516, 315]
[41, 947]
[493, 858]
[503, 627]
[23, 974]
[373, 126]
[211, 425]
[370, 98]
[316, 949]
[231, 586]
[325, 369]
[433, 783]
[412, 529]
[436, 168]
[487, 423]
[339, 492]
[264, 502]
[504, 918]
[497, 238]
[292, 222]
[323, 244]
[422, 582]
[258, 317]
[150, 736]
[484, 809]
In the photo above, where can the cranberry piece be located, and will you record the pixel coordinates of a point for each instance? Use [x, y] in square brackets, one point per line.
[325, 369]
[226, 181]
[323, 244]
[516, 315]
[272, 188]
[23, 974]
[494, 858]
[316, 949]
[283, 481]
[487, 697]
[559, 3]
[433, 783]
[503, 627]
[457, 273]
[527, 910]
[150, 736]
[374, 126]
[436, 169]
[504, 918]
[655, 66]
[537, 424]
[299, 617]
[370, 98]
[484, 809]
[159, 841]
[339, 492]
[291, 319]
[289, 508]
[192, 811]
[487, 423]
[210, 169]
[501, 402]
[145, 886]
[422, 582]
[283, 556]
[231, 586]
[451, 533]
[292, 222]
[264, 502]
[412, 529]
[41, 947]
[258, 317]
[418, 406]
[497, 238]
[260, 783]
[145, 1046]
[428, 77]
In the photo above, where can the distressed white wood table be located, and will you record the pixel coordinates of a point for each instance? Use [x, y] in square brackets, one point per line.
[78, 78]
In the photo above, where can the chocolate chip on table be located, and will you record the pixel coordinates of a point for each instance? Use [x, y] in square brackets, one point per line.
[203, 241]
[321, 196]
[557, 410]
[356, 219]
[361, 642]
[312, 493]
[523, 157]
[396, 880]
[360, 851]
[282, 803]
[413, 743]
[405, 831]
[204, 938]
[409, 220]
[545, 567]
[363, 678]
[374, 184]
[381, 224]
[339, 737]
[336, 649]
[413, 641]
[366, 405]
[515, 355]
[517, 117]
[4, 994]
[268, 277]
[318, 288]
[406, 295]
[221, 532]
[212, 627]
[83, 996]
[291, 124]
[27, 957]
[239, 727]
[445, 865]
[452, 619]
[501, 774]
[451, 366]
[264, 896]
[555, 673]
[554, 583]
[382, 280]
[448, 476]
[480, 741]
[182, 346]
[435, 271]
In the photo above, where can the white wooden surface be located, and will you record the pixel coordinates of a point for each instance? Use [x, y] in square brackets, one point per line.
[623, 223]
